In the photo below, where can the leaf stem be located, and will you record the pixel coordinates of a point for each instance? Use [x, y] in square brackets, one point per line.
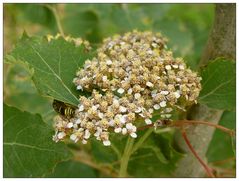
[222, 128]
[115, 149]
[207, 169]
[180, 123]
[130, 148]
[141, 140]
[125, 157]
[57, 17]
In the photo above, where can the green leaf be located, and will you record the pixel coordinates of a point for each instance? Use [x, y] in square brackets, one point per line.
[156, 157]
[52, 65]
[82, 23]
[28, 149]
[219, 85]
[180, 39]
[221, 146]
[18, 85]
[36, 13]
[72, 169]
[103, 154]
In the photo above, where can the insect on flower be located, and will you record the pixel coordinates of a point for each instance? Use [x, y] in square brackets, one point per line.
[64, 109]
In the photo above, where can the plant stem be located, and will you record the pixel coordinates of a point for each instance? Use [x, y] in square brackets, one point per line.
[125, 157]
[130, 148]
[207, 169]
[185, 122]
[141, 140]
[58, 22]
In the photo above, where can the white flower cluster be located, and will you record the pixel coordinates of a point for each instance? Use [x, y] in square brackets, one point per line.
[132, 78]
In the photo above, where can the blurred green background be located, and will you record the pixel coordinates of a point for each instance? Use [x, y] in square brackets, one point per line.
[187, 27]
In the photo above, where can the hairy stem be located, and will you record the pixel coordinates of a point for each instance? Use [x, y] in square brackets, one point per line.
[125, 158]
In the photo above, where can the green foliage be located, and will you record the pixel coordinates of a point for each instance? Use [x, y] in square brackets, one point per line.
[72, 169]
[222, 145]
[219, 85]
[37, 14]
[52, 65]
[18, 85]
[28, 148]
[156, 157]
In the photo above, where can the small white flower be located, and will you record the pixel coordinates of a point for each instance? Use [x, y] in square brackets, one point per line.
[104, 78]
[149, 84]
[151, 110]
[87, 134]
[84, 142]
[111, 122]
[168, 115]
[109, 62]
[138, 110]
[75, 126]
[154, 45]
[123, 119]
[122, 109]
[133, 135]
[177, 94]
[78, 121]
[162, 104]
[74, 138]
[130, 91]
[122, 43]
[94, 107]
[164, 92]
[137, 95]
[128, 69]
[69, 125]
[120, 90]
[168, 109]
[118, 130]
[79, 87]
[107, 142]
[101, 115]
[129, 125]
[150, 52]
[97, 134]
[168, 67]
[181, 67]
[124, 131]
[116, 102]
[81, 108]
[148, 121]
[142, 115]
[175, 66]
[153, 95]
[156, 107]
[61, 135]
